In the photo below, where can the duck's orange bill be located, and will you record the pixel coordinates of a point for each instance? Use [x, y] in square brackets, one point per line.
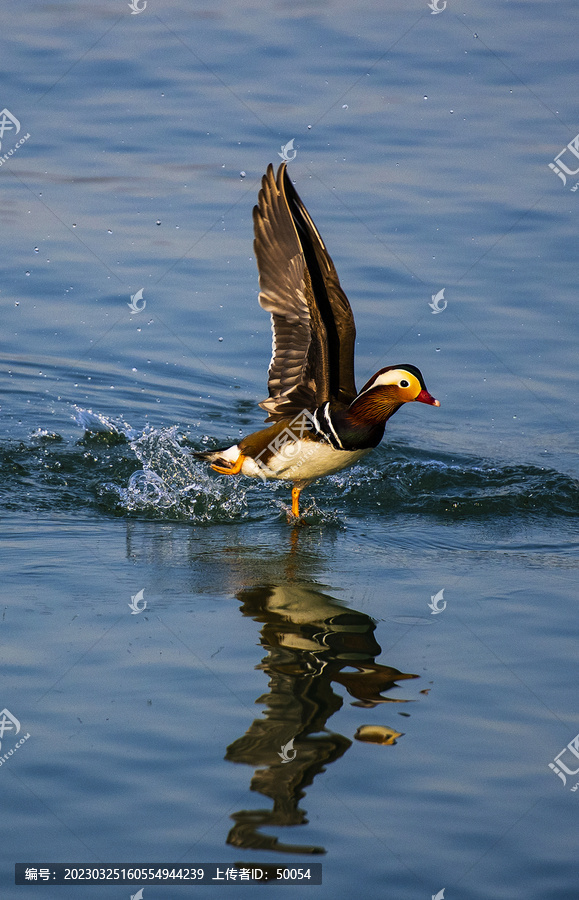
[425, 397]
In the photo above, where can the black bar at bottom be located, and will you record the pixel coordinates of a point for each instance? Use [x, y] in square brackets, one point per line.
[166, 873]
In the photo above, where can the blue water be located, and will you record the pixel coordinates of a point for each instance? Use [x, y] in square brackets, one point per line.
[422, 148]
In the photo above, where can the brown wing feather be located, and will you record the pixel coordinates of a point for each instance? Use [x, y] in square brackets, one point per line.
[312, 323]
[337, 314]
[297, 374]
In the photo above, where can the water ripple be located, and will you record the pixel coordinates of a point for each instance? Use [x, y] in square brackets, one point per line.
[100, 470]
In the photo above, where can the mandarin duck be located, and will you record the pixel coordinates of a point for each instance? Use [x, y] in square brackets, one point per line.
[321, 423]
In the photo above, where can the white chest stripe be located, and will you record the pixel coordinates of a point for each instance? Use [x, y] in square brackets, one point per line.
[331, 427]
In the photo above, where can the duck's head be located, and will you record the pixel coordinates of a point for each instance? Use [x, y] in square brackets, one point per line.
[387, 390]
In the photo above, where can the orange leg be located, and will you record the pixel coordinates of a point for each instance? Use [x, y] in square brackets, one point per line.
[296, 501]
[235, 469]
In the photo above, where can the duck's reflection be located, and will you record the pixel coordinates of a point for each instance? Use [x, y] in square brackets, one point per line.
[311, 641]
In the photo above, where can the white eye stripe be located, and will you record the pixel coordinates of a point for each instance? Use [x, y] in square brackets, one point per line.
[393, 378]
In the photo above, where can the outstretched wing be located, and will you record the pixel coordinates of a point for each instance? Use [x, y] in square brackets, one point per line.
[312, 323]
[331, 300]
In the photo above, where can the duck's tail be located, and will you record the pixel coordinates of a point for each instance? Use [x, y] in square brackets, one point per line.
[224, 460]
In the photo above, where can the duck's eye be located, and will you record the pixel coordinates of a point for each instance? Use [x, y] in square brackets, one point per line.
[404, 383]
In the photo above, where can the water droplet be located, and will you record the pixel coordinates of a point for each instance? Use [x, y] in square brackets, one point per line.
[74, 224]
[28, 273]
[475, 35]
[16, 303]
[109, 231]
[36, 249]
[425, 97]
[134, 370]
[220, 339]
[345, 106]
[438, 349]
[309, 127]
[451, 111]
[158, 221]
[242, 174]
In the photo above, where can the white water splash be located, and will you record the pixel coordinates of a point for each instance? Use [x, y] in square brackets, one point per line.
[96, 423]
[173, 482]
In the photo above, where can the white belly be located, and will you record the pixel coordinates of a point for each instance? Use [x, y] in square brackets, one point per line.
[303, 461]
